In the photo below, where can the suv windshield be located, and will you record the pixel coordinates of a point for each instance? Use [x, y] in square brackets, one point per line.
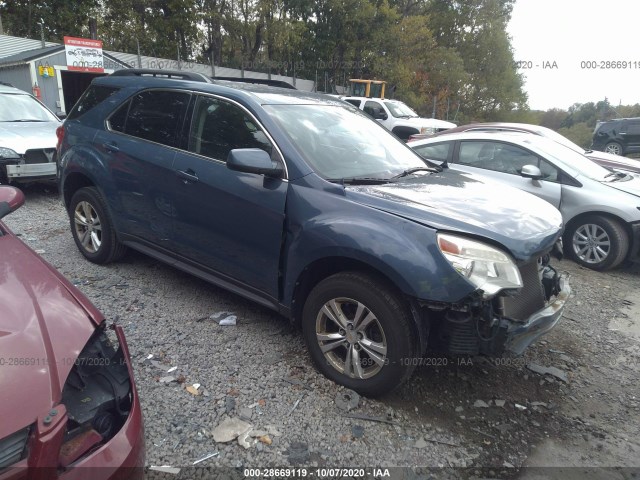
[399, 109]
[339, 143]
[23, 108]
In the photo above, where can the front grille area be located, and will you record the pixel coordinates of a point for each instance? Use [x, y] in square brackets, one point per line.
[13, 448]
[42, 155]
[531, 296]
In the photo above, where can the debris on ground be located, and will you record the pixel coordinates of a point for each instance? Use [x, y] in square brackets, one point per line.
[298, 453]
[553, 371]
[347, 400]
[480, 404]
[224, 318]
[193, 389]
[229, 429]
[388, 419]
[206, 457]
[357, 431]
[499, 403]
[295, 405]
[165, 469]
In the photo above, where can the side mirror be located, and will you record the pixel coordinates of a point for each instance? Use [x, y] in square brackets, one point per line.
[253, 160]
[10, 200]
[379, 114]
[532, 172]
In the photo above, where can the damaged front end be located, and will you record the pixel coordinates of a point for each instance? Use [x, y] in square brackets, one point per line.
[502, 318]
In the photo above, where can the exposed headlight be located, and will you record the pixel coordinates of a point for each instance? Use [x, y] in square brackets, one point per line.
[8, 153]
[428, 130]
[488, 268]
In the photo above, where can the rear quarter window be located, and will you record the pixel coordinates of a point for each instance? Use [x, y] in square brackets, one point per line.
[94, 96]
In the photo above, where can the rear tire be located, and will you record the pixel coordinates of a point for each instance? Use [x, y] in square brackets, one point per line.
[360, 333]
[614, 148]
[597, 242]
[92, 227]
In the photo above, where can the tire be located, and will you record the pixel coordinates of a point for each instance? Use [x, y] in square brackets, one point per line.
[385, 345]
[597, 242]
[614, 148]
[92, 227]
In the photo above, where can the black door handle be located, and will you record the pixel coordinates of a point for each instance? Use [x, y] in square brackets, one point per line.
[188, 176]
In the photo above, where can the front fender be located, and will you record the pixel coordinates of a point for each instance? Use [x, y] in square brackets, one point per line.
[323, 224]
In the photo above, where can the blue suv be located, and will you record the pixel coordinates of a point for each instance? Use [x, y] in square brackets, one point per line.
[301, 203]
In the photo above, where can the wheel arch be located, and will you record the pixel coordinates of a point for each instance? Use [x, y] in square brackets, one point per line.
[404, 132]
[581, 216]
[74, 182]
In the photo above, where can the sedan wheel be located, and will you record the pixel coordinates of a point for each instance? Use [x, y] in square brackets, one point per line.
[597, 242]
[360, 333]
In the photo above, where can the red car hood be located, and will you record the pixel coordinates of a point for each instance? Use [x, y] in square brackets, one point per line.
[44, 324]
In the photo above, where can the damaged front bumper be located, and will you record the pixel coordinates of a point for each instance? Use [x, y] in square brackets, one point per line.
[23, 171]
[521, 335]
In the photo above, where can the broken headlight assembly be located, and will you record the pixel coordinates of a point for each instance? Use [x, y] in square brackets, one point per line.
[488, 268]
[97, 396]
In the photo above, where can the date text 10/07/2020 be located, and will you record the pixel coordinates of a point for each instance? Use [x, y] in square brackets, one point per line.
[321, 472]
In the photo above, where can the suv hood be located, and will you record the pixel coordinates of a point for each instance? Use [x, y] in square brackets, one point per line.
[43, 329]
[460, 202]
[23, 136]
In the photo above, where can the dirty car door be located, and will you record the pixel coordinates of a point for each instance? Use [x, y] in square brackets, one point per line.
[503, 162]
[228, 221]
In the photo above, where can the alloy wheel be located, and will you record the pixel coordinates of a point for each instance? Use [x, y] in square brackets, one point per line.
[591, 243]
[351, 338]
[88, 226]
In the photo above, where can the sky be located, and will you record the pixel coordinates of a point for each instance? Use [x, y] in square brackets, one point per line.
[580, 36]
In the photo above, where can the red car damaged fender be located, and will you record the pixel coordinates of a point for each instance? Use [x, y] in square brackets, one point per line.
[68, 402]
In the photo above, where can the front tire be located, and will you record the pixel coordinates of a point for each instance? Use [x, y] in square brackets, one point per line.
[92, 227]
[614, 148]
[360, 333]
[597, 242]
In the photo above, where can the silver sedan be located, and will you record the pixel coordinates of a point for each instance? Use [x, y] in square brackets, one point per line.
[600, 207]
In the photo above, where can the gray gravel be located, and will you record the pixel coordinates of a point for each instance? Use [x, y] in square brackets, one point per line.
[483, 414]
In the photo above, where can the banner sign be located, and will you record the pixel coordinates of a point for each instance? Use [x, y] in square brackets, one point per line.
[84, 54]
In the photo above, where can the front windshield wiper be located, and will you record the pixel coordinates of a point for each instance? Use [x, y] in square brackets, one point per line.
[618, 175]
[359, 180]
[418, 169]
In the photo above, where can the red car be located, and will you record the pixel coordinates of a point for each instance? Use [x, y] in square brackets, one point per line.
[607, 160]
[68, 403]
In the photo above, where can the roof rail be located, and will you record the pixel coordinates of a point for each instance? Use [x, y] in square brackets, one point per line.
[260, 81]
[170, 74]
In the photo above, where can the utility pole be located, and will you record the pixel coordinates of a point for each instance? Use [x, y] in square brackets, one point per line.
[42, 32]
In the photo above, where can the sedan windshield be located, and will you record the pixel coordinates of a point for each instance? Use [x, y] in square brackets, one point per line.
[341, 143]
[399, 109]
[23, 108]
[569, 159]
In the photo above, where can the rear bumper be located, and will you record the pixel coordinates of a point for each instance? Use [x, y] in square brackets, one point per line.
[34, 170]
[520, 335]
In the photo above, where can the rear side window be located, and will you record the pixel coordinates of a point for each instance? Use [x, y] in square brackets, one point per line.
[94, 95]
[355, 103]
[154, 115]
[633, 128]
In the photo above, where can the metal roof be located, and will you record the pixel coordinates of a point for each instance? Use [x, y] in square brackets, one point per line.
[13, 45]
[27, 56]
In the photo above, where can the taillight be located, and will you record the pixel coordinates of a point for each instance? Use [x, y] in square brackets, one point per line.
[60, 135]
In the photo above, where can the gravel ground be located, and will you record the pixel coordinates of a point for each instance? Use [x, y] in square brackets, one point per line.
[491, 417]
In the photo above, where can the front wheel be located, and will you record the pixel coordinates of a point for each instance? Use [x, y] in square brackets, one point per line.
[359, 333]
[597, 242]
[92, 228]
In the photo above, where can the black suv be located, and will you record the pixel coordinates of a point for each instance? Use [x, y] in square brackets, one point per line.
[620, 136]
[303, 204]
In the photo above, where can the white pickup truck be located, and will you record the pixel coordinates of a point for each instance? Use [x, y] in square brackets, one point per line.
[397, 117]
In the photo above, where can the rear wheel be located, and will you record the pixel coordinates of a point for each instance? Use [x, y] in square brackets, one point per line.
[614, 148]
[92, 228]
[597, 242]
[359, 333]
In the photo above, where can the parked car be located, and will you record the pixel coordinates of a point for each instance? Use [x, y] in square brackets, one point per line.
[397, 117]
[600, 207]
[27, 137]
[620, 136]
[608, 160]
[69, 402]
[305, 205]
